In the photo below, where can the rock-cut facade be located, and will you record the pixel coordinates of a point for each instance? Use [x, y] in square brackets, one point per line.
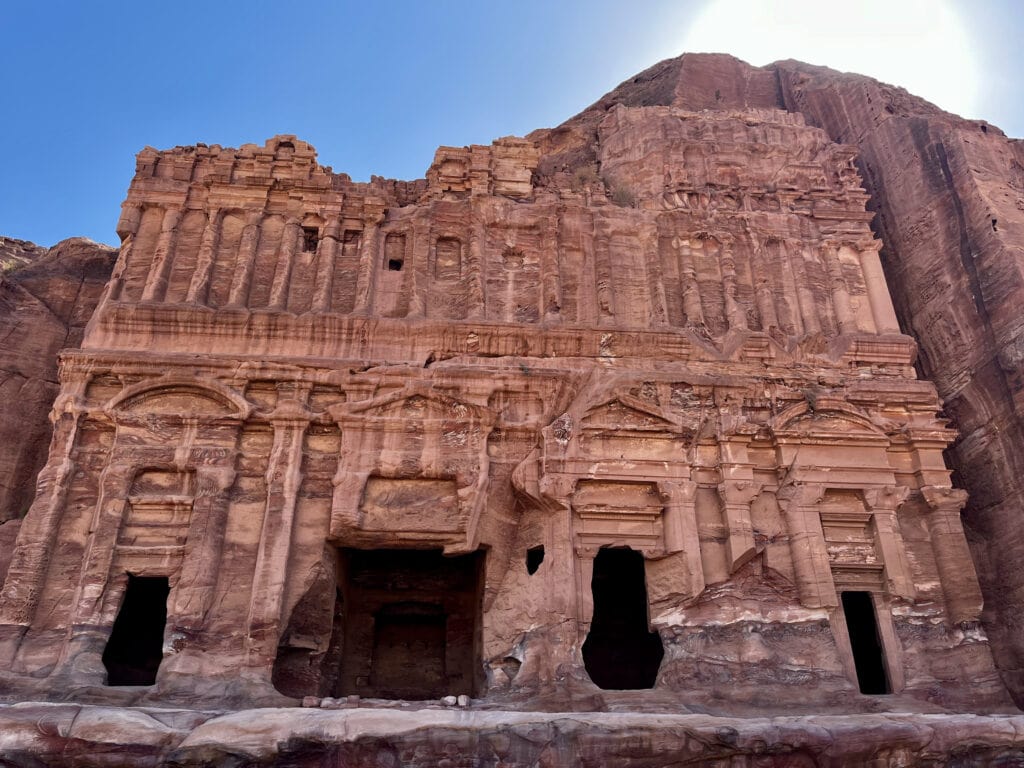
[628, 418]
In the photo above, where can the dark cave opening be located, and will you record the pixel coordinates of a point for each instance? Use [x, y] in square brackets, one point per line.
[862, 626]
[534, 557]
[412, 624]
[135, 648]
[620, 651]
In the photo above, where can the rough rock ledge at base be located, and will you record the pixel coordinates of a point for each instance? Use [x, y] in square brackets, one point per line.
[38, 734]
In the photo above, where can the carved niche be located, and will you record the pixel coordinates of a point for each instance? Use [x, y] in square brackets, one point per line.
[413, 469]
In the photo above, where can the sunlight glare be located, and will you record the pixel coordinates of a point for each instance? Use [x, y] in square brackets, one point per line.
[920, 45]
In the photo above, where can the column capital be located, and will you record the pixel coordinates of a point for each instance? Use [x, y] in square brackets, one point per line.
[172, 214]
[677, 491]
[739, 491]
[944, 498]
[802, 494]
[886, 497]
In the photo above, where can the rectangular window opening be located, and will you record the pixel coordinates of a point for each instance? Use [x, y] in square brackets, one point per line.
[310, 239]
[865, 642]
[394, 251]
[135, 648]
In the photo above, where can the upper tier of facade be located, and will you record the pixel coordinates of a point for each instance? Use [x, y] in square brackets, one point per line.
[694, 235]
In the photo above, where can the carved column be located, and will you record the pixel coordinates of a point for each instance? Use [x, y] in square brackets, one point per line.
[417, 266]
[883, 503]
[326, 254]
[369, 258]
[790, 299]
[284, 476]
[681, 535]
[559, 544]
[199, 287]
[578, 223]
[89, 631]
[736, 491]
[765, 300]
[127, 229]
[807, 545]
[655, 275]
[952, 557]
[734, 314]
[31, 557]
[878, 291]
[804, 294]
[202, 558]
[160, 267]
[567, 586]
[285, 263]
[585, 556]
[475, 270]
[245, 261]
[603, 273]
[736, 496]
[840, 294]
[692, 307]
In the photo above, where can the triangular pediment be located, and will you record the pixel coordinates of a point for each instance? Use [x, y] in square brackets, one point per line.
[419, 404]
[839, 423]
[840, 420]
[628, 412]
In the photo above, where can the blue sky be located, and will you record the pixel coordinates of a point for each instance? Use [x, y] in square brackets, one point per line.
[377, 86]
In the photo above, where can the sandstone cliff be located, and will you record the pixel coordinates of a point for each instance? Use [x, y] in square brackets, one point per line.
[46, 297]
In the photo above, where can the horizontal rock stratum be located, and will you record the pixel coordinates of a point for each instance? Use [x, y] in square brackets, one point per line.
[626, 437]
[429, 737]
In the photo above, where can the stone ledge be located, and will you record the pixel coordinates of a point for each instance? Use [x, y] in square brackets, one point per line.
[34, 734]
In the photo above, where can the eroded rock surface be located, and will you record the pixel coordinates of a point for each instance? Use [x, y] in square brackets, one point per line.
[46, 298]
[51, 735]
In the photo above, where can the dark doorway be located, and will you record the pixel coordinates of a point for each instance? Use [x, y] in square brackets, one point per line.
[862, 626]
[412, 624]
[409, 645]
[135, 648]
[620, 652]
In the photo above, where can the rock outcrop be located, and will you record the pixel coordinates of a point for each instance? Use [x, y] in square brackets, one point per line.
[46, 298]
[424, 737]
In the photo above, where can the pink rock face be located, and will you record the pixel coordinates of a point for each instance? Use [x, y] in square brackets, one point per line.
[46, 298]
[618, 415]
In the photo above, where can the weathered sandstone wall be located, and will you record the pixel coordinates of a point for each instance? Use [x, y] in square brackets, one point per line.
[948, 195]
[638, 380]
[46, 298]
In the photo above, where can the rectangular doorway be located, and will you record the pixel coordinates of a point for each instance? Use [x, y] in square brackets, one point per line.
[412, 624]
[865, 642]
[135, 648]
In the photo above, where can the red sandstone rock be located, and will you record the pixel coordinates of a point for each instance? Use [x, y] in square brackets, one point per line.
[424, 737]
[46, 298]
[621, 405]
[948, 194]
